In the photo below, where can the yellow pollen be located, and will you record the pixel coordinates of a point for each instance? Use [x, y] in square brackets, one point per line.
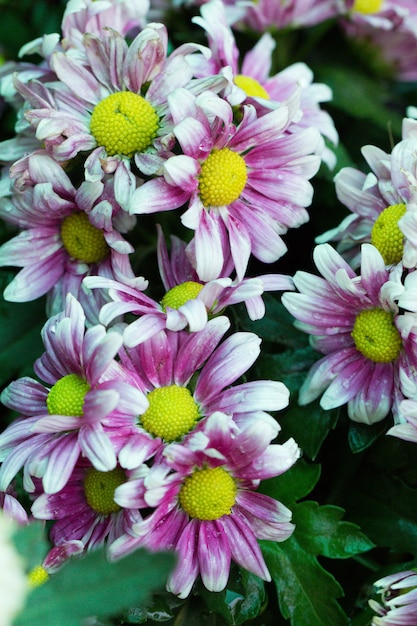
[83, 241]
[172, 412]
[99, 488]
[37, 576]
[251, 87]
[222, 178]
[208, 493]
[376, 337]
[124, 123]
[367, 6]
[386, 234]
[66, 397]
[180, 294]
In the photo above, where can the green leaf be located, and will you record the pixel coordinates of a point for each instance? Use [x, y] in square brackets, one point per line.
[306, 592]
[294, 484]
[321, 531]
[92, 586]
[31, 543]
[361, 436]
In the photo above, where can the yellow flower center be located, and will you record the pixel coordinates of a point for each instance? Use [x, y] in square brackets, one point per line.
[37, 576]
[250, 86]
[83, 241]
[367, 6]
[208, 493]
[222, 178]
[124, 123]
[180, 294]
[376, 337]
[386, 234]
[66, 397]
[172, 412]
[99, 488]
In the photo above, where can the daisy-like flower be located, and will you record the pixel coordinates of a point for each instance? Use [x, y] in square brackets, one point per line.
[245, 185]
[252, 81]
[87, 405]
[398, 600]
[383, 203]
[114, 104]
[384, 32]
[65, 233]
[189, 376]
[356, 322]
[207, 507]
[188, 302]
[85, 510]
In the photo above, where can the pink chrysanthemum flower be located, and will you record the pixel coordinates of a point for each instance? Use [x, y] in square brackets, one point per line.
[86, 405]
[114, 104]
[65, 233]
[253, 83]
[188, 376]
[188, 302]
[245, 185]
[398, 606]
[356, 322]
[385, 34]
[207, 507]
[85, 510]
[383, 203]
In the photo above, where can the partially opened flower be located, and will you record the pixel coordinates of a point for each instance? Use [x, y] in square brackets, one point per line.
[207, 506]
[86, 405]
[252, 79]
[188, 302]
[355, 321]
[65, 233]
[383, 203]
[244, 186]
[398, 600]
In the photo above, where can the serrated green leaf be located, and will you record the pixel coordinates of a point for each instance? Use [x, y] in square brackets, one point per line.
[92, 586]
[321, 531]
[306, 592]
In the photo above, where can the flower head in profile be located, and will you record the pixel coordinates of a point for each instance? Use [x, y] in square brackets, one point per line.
[369, 344]
[244, 185]
[87, 404]
[383, 203]
[206, 505]
[398, 599]
[188, 302]
[65, 233]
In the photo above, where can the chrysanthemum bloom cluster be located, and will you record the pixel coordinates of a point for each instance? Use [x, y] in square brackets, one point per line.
[398, 603]
[365, 323]
[152, 446]
[136, 429]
